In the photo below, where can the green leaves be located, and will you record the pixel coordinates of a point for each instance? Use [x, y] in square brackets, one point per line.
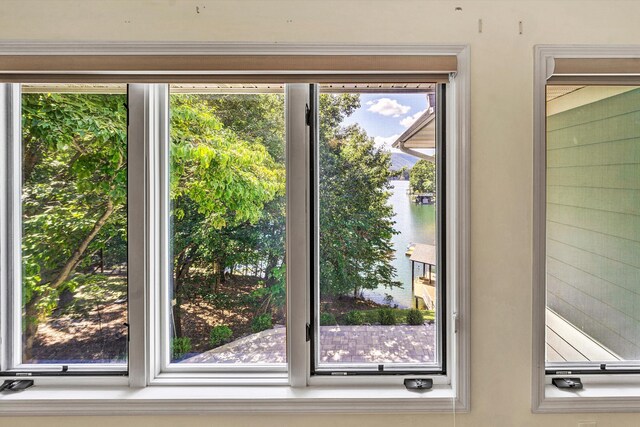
[227, 178]
[422, 177]
[356, 223]
[74, 162]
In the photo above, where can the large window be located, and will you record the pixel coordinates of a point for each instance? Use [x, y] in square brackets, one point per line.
[236, 223]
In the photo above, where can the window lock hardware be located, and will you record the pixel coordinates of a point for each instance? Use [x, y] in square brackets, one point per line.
[575, 383]
[308, 332]
[456, 323]
[16, 385]
[307, 114]
[418, 383]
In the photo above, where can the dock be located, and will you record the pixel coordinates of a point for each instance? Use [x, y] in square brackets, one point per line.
[424, 287]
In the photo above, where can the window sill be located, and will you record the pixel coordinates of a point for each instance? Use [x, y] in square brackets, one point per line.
[49, 400]
[599, 397]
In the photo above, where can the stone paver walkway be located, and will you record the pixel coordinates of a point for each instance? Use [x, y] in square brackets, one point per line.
[338, 344]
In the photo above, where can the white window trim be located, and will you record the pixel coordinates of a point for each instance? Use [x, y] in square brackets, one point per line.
[601, 393]
[149, 389]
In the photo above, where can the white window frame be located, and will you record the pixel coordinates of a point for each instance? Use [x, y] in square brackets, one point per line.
[151, 386]
[601, 393]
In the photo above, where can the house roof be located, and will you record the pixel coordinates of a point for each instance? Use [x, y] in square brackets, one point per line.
[421, 134]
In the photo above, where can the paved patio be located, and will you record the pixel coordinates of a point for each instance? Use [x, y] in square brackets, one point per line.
[338, 344]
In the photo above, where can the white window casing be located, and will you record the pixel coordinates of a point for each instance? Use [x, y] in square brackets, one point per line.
[153, 384]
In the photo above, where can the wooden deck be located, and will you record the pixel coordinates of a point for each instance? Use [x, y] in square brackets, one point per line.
[425, 291]
[565, 343]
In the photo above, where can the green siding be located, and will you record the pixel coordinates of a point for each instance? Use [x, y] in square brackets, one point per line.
[593, 220]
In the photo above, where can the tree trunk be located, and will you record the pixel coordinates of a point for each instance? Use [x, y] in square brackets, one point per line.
[272, 263]
[182, 267]
[218, 272]
[30, 158]
[177, 308]
[75, 258]
[31, 310]
[31, 327]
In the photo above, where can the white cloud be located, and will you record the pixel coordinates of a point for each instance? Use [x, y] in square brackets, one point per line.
[388, 107]
[385, 142]
[409, 120]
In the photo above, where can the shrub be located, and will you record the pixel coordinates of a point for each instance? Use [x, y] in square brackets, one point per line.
[414, 317]
[354, 317]
[262, 323]
[219, 300]
[220, 335]
[386, 316]
[327, 319]
[180, 347]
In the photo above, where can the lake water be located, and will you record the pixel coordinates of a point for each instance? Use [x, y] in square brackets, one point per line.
[415, 224]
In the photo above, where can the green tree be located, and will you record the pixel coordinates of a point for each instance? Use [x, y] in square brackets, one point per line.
[74, 193]
[356, 223]
[423, 177]
[258, 119]
[220, 184]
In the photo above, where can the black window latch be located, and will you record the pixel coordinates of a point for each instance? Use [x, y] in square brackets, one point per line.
[16, 385]
[574, 383]
[418, 383]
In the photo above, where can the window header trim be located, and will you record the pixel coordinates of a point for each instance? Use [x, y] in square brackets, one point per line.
[196, 62]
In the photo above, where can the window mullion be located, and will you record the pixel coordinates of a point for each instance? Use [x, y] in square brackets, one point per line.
[298, 232]
[10, 233]
[147, 112]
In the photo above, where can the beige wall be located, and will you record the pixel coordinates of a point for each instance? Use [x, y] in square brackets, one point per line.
[502, 72]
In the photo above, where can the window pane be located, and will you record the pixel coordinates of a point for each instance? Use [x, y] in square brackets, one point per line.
[227, 190]
[593, 224]
[378, 281]
[74, 223]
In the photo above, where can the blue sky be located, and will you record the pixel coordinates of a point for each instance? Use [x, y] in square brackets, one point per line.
[384, 116]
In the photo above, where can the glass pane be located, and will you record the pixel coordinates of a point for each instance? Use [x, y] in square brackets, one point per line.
[377, 212]
[593, 224]
[227, 185]
[74, 223]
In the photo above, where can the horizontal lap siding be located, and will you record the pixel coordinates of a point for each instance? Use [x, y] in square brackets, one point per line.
[593, 220]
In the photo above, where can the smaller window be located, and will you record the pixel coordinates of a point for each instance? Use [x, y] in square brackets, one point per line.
[69, 303]
[227, 187]
[380, 205]
[593, 228]
[586, 223]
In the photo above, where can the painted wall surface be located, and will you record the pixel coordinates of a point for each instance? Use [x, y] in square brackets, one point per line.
[593, 219]
[501, 165]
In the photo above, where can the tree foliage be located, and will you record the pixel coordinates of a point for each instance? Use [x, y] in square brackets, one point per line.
[423, 177]
[74, 191]
[227, 191]
[356, 223]
[220, 185]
